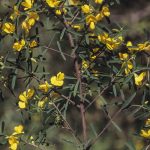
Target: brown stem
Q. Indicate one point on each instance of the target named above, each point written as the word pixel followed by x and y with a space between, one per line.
pixel 78 74
pixel 82 110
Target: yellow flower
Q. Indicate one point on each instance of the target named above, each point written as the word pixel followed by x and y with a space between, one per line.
pixel 95 73
pixel 123 56
pixel 99 16
pixel 13 142
pixel 26 26
pixel 99 1
pixel 95 50
pixel 85 64
pixel 53 3
pixel 27 4
pixel 22 104
pixel 30 21
pixel 92 57
pixel 44 87
pixel 77 27
pixel 145 133
pixel 147 122
pixel 32 44
pixel 24 97
pixel 139 47
pixel 58 80
pixel 105 11
pixel 139 78
pixel 18 129
pixel 8 27
pixel 143 46
pixel 15 14
pixel 13 146
pixel 86 9
pixel 91 21
pixel 59 11
pixel 128 67
pixel 33 15
pixel 111 43
pixel 129 43
pixel 103 37
pixel 12 139
pixel 130 46
pixel 19 45
pixel 73 2
pixel 42 103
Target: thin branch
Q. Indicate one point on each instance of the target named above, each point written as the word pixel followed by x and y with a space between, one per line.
pixel 104 129
pixel 55 50
pixel 78 74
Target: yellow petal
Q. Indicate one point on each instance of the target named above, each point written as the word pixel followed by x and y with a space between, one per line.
pixel 60 76
pixel 56 82
pixel 129 43
pixel 22 105
pixel 22 98
pixel 92 26
pixel 18 129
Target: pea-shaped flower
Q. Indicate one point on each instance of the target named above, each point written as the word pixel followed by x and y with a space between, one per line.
pixel 8 28
pixel 24 97
pixel 139 78
pixel 27 4
pixel 58 80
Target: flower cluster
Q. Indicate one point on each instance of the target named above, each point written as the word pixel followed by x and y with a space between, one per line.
pixel 91 19
pixel 25 97
pixel 13 139
pixel 110 42
pixel 57 81
pixel 140 47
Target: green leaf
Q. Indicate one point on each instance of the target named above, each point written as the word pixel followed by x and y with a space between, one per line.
pixel 76 88
pixel 65 109
pixel 114 90
pixel 130 145
pixel 93 129
pixel 13 83
pixel 128 79
pixel 2 126
pixel 59 47
pixel 87 39
pixel 129 100
pixel 62 34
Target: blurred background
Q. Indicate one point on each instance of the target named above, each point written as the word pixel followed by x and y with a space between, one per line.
pixel 134 17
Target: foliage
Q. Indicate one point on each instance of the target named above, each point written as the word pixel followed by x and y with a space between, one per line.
pixel 102 61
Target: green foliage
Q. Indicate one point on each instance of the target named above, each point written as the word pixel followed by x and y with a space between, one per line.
pixel 106 73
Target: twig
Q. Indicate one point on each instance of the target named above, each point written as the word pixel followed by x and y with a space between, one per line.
pixel 147 147
pixel 104 129
pixel 67 124
pixel 55 50
pixel 78 74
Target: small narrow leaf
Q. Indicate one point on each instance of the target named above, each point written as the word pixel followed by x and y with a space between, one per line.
pixel 76 88
pixel 62 34
pixel 114 90
pixel 13 83
pixel 59 47
pixel 2 126
pixel 128 101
